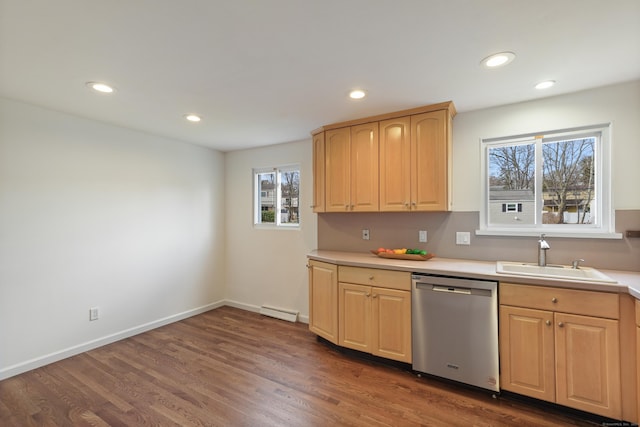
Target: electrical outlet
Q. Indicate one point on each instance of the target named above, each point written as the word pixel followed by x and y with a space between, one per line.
pixel 365 234
pixel 422 236
pixel 463 238
pixel 94 313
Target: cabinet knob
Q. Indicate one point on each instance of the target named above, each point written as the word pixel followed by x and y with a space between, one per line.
pixel 370 277
pixel 548 322
pixel 375 295
pixel 308 266
pixel 560 324
pixel 367 295
pixel 554 300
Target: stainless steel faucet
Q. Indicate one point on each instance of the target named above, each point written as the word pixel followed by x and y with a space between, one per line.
pixel 543 247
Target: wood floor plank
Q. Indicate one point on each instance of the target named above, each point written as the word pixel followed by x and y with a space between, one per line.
pixel 230 367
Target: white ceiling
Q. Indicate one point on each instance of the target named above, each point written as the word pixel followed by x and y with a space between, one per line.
pixel 263 72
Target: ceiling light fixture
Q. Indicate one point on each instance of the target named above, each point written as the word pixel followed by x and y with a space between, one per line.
pixel 192 118
pixel 100 87
pixel 498 59
pixel 357 94
pixel 545 84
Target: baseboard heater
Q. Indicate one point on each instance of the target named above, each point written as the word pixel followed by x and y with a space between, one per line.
pixel 279 313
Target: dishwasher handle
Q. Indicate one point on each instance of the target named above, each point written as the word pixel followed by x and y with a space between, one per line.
pixel 451 289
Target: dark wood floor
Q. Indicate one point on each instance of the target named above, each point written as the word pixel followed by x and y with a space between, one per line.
pixel 230 367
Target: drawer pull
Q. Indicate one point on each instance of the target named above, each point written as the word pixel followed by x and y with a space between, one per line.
pixel 554 300
pixel 370 277
pixel 375 295
pixel 561 325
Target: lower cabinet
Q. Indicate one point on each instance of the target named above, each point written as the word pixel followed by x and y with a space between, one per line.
pixel 323 300
pixel 373 318
pixel 637 303
pixel 561 346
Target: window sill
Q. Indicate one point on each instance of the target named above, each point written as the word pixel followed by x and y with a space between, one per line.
pixel 550 233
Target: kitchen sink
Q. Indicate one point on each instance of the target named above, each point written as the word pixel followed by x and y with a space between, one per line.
pixel 552 271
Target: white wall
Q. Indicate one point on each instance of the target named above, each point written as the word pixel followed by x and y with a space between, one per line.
pixel 618 104
pixel 267 266
pixel 95 215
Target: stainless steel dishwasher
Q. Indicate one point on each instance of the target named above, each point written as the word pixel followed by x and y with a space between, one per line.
pixel 455 329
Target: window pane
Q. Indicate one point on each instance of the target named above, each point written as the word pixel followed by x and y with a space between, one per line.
pixel 267 199
pixel 568 181
pixel 512 184
pixel 289 190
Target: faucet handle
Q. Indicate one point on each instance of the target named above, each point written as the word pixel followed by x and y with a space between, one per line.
pixel 575 264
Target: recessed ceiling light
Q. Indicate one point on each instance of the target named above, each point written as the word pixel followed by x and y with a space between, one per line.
pixel 100 87
pixel 357 94
pixel 545 84
pixel 192 118
pixel 498 59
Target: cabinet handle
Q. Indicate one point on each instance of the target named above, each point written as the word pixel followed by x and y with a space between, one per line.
pixel 375 295
pixel 370 277
pixel 548 322
pixel 560 324
pixel 554 300
pixel 367 295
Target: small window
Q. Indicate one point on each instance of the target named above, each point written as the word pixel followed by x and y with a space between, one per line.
pixel 547 182
pixel 277 192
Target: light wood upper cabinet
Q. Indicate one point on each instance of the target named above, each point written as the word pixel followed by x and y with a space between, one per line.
pixel 323 300
pixel 555 346
pixel 352 169
pixel 431 161
pixel 395 165
pixel 338 170
pixel 364 168
pixel 415 162
pixel 406 167
pixel 318 172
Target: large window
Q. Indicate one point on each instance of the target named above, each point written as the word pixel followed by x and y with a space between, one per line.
pixel 276 196
pixel 552 182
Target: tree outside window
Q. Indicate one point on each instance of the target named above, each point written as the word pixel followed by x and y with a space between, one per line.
pixel 547 181
pixel 277 193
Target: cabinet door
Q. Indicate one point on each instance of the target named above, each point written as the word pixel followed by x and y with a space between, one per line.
pixel 318 172
pixel 395 165
pixel 364 168
pixel 588 364
pixel 338 170
pixel 430 153
pixel 355 316
pixel 391 335
pixel 323 300
pixel 527 352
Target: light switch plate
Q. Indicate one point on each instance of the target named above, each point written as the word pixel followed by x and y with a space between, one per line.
pixel 463 238
pixel 422 236
pixel 365 234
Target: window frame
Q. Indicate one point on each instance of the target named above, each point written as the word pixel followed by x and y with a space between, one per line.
pixel 257 195
pixel 605 226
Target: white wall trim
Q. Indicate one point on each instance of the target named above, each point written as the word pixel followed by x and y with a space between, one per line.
pixel 38 362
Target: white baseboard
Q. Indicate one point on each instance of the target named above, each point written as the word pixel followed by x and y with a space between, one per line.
pixel 38 362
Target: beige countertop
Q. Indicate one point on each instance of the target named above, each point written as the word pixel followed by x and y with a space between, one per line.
pixel 628 281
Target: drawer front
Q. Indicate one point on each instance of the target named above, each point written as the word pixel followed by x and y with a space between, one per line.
pixel 375 277
pixel 589 303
